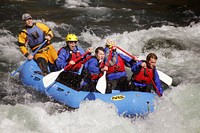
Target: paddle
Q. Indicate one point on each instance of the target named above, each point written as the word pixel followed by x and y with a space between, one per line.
pixel 163 77
pixel 101 83
pixel 19 68
pixel 50 78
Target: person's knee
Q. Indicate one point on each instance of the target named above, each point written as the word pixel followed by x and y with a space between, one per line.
pixel 42 63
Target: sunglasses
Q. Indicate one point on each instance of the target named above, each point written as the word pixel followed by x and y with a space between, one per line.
pixel 72 41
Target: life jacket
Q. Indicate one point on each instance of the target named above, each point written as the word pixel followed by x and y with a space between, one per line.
pixel 73 56
pixel 35 36
pixel 144 76
pixel 116 64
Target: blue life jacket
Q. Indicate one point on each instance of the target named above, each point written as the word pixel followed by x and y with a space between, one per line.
pixel 35 36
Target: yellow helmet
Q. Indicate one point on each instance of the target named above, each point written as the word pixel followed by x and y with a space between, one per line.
pixel 110 43
pixel 71 37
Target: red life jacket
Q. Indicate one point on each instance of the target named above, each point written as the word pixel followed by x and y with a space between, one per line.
pixel 78 65
pixel 118 66
pixel 73 56
pixel 143 76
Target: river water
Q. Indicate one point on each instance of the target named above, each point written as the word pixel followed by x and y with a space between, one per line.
pixel 168 28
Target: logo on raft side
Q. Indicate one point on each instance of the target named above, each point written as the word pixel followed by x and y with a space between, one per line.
pixel 117 97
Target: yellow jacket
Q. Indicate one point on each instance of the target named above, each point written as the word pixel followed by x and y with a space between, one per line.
pixel 23 39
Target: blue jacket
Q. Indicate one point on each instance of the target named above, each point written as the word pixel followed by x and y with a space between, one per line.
pixel 64 56
pixel 92 66
pixel 136 68
pixel 126 60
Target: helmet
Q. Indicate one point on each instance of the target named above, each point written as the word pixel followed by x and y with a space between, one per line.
pixel 26 16
pixel 110 43
pixel 71 37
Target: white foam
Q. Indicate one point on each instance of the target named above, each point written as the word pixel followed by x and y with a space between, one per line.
pixel 91 117
pixel 76 3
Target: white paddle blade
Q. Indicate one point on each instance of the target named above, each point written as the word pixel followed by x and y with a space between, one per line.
pixel 51 78
pixel 165 78
pixel 101 84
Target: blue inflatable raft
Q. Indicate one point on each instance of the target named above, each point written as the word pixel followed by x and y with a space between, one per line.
pixel 128 103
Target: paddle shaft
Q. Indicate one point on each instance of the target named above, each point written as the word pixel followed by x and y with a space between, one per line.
pixel 76 60
pixel 126 52
pixel 19 68
pixel 155 87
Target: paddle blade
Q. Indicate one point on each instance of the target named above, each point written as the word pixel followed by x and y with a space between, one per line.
pixel 165 78
pixel 101 84
pixel 51 78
